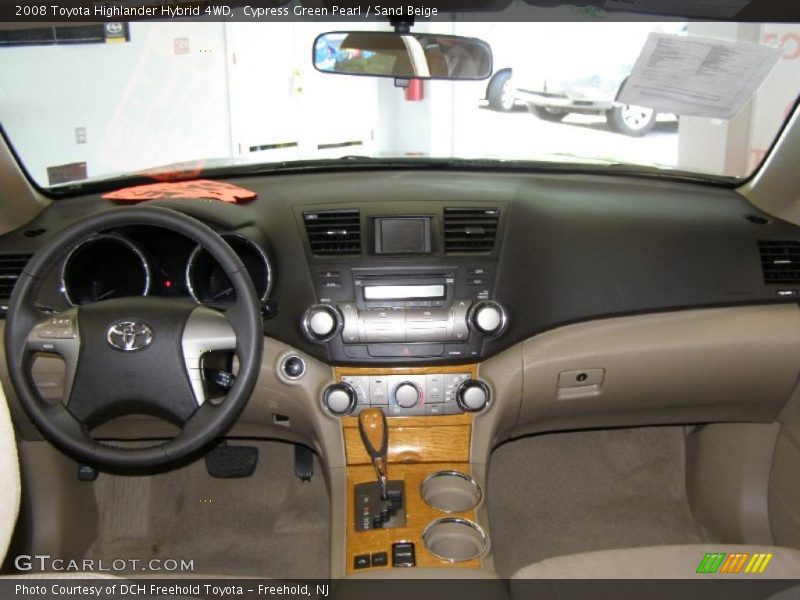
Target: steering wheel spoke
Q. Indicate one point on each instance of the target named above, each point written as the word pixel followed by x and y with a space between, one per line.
pixel 58 334
pixel 206 330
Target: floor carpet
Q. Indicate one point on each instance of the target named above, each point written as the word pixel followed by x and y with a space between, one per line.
pixel 268 525
pixel 563 493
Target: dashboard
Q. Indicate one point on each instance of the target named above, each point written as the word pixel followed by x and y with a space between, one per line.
pixel 469 307
pixel 433 268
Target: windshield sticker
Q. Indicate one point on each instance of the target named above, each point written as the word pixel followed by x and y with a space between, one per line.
pixel 199 188
pixel 708 9
pixel 59 174
pixel 696 76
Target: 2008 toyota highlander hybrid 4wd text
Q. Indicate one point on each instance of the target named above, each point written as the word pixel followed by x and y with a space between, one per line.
pixel 295 299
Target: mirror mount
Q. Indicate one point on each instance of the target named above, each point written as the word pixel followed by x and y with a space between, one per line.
pixel 402 24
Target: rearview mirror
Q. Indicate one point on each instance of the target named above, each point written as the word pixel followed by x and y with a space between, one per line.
pixel 402 55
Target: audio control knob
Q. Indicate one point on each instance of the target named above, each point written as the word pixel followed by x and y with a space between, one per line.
pixel 340 399
pixel 407 394
pixel 321 322
pixel 488 318
pixel 472 395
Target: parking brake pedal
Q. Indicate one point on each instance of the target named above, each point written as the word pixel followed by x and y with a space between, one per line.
pixel 230 462
pixel 303 462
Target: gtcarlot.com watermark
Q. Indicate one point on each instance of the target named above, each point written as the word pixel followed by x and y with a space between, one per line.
pixel 46 563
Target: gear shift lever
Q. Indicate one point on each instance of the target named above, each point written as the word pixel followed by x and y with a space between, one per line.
pixel 375 435
pixel 380 504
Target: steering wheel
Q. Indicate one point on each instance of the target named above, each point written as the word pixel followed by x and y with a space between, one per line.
pixel 137 355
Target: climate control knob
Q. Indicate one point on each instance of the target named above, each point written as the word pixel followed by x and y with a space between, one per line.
pixel 488 318
pixel 340 398
pixel 472 395
pixel 407 394
pixel 321 322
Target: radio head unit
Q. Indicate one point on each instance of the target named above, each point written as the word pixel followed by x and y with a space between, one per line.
pixel 399 290
pixel 400 311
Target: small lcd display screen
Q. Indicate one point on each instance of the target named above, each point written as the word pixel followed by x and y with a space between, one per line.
pixel 403 292
pixel 402 235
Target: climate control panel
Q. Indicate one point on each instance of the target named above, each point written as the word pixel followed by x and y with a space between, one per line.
pixel 407 395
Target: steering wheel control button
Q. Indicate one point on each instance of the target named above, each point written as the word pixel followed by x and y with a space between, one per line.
pixel 321 322
pixel 340 399
pixel 581 378
pixel 488 318
pixel 293 367
pixel 472 395
pixel 403 554
pixel 57 328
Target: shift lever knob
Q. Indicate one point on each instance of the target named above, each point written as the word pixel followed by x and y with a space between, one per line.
pixel 375 435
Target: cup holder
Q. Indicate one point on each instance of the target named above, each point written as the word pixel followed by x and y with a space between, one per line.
pixel 451 491
pixel 455 540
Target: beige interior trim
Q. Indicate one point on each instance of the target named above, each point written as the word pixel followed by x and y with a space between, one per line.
pixel 775 188
pixel 52 490
pixel 19 202
pixel 696 366
pixel 9 477
pixel 727 479
pixel 658 562
pixel 736 364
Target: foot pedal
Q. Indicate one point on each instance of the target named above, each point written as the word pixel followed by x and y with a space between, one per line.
pixel 231 462
pixel 303 462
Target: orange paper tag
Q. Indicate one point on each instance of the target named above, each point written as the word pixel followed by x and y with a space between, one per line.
pixel 198 188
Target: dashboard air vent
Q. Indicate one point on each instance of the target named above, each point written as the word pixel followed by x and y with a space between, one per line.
pixel 470 229
pixel 334 232
pixel 11 266
pixel 780 261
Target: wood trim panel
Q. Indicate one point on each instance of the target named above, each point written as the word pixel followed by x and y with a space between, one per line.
pixel 472 369
pixel 419 515
pixel 428 443
pixel 437 421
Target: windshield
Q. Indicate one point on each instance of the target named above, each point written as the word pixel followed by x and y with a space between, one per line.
pixel 233 93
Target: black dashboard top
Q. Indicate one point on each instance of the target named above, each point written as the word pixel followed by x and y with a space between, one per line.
pixel 550 249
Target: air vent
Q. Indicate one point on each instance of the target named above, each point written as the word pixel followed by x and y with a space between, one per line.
pixel 11 266
pixel 334 232
pixel 780 261
pixel 470 229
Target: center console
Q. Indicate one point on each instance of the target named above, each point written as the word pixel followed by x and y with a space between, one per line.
pixel 424 514
pixel 404 304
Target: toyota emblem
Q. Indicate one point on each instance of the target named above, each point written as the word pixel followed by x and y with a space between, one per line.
pixel 129 336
